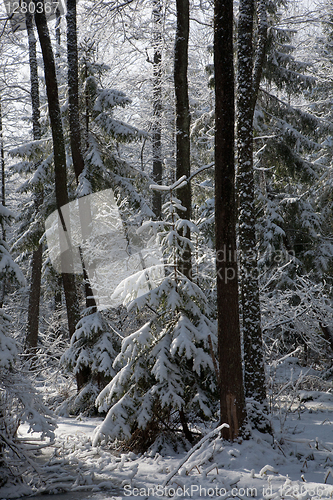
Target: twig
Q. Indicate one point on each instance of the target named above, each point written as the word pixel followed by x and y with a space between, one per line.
pixel 192 450
pixel 20 453
pixel 280 448
pixel 328 473
pixel 201 169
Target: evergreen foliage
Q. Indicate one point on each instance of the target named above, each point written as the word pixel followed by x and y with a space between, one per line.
pixel 166 366
pixel 155 374
pixel 104 132
pixel 91 347
pixel 19 400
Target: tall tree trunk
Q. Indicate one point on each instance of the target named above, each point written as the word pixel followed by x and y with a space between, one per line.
pixel 3 180
pixel 157 105
pixel 183 166
pixel 3 202
pixel 68 279
pixel 75 135
pixel 73 89
pixel 84 375
pixel 31 340
pixel 261 48
pixel 58 33
pixel 229 343
pixel 254 377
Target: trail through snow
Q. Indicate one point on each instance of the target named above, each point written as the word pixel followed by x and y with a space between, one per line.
pixel 298 466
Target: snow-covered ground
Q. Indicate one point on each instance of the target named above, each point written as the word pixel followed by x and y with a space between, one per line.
pixel 297 464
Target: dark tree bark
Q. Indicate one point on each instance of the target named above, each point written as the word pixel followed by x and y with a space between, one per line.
pixel 87 106
pixel 75 133
pixel 187 433
pixel 157 105
pixel 183 166
pixel 3 202
pixel 31 340
pixel 34 86
pixel 261 47
pixel 229 342
pixel 58 32
pixel 57 294
pixel 248 84
pixel 73 89
pixel 328 333
pixel 3 181
pixel 84 375
pixel 68 279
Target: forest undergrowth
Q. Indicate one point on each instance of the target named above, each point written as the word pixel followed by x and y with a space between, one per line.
pixel 297 457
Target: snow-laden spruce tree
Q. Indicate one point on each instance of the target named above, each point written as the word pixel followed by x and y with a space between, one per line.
pixel 8 270
pixel 106 134
pixel 93 348
pixel 19 401
pixel 103 168
pixel 166 368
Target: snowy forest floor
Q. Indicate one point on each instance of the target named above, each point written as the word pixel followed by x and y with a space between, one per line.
pixel 297 463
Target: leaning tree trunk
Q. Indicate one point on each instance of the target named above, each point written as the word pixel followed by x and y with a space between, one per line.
pixel 36 261
pixel 60 173
pixel 157 106
pixel 183 166
pixel 248 85
pixel 229 343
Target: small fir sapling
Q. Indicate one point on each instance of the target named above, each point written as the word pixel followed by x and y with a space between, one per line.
pixel 93 347
pixel 103 168
pixel 7 265
pixel 166 371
